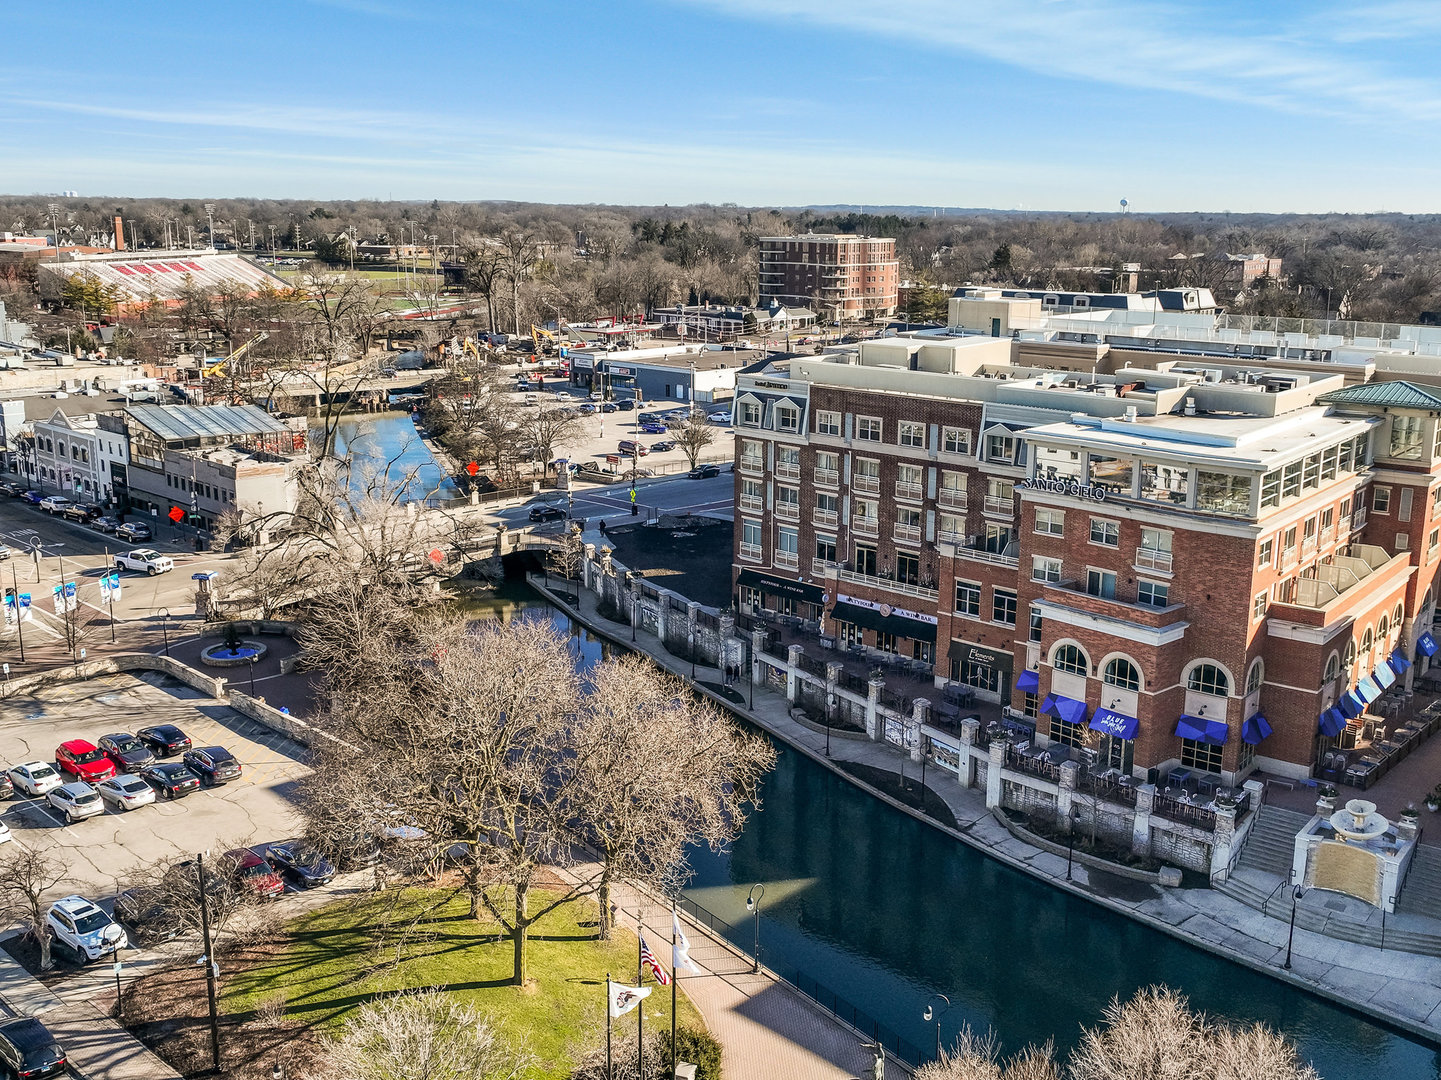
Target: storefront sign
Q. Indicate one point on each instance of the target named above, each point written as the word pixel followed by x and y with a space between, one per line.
pixel 1065 487
pixel 978 654
pixel 771 385
pixel 614 370
pixel 887 610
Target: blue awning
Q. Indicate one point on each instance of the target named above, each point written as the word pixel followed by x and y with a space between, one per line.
pixel 1255 729
pixel 1068 709
pixel 1114 723
pixel 1028 682
pixel 1348 704
pixel 1332 722
pixel 1427 644
pixel 1399 664
pixel 1199 729
pixel 1383 676
pixel 1367 689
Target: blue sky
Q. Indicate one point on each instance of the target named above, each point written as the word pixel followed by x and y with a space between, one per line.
pixel 1044 104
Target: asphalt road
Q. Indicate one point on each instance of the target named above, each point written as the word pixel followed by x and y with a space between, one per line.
pixel 668 495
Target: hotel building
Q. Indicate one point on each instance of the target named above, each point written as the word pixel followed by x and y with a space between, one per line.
pixel 837 276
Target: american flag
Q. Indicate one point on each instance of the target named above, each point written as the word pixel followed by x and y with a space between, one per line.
pixel 649 960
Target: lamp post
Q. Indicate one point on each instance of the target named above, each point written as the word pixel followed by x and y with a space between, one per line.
pixel 690 646
pixel 1297 891
pixel 1071 821
pixel 753 905
pixel 252 676
pixel 932 1014
pixel 19 615
pixel 164 614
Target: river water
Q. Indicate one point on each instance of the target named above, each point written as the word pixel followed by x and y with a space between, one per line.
pixel 388 442
pixel 887 911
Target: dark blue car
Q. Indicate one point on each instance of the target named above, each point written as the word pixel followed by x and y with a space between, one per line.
pixel 653 428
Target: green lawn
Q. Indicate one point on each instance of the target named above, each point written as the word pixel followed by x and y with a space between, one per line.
pixel 333 965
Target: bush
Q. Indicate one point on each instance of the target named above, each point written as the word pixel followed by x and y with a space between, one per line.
pixel 696 1046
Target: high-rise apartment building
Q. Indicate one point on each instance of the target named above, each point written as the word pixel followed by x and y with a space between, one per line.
pixel 837 276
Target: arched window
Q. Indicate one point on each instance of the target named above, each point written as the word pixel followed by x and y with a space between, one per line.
pixel 1383 628
pixel 1209 679
pixel 1121 672
pixel 1333 667
pixel 1367 640
pixel 1425 599
pixel 1071 659
pixel 1350 658
pixel 1398 616
pixel 1255 677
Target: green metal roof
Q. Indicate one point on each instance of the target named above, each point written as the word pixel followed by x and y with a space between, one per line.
pixel 1394 395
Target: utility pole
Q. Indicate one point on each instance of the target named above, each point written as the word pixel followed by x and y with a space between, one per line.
pixel 210 217
pixel 209 960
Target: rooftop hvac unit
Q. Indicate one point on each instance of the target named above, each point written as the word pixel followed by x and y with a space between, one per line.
pixel 1190 408
pixel 1130 414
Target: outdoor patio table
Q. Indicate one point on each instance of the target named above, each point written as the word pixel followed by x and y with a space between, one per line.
pixel 1178 776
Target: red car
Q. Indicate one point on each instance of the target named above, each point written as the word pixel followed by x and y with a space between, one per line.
pixel 250 871
pixel 84 761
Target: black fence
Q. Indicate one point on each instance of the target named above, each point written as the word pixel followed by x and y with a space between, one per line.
pixel 743 938
pixel 813 666
pixel 706 619
pixel 856 684
pixel 1185 813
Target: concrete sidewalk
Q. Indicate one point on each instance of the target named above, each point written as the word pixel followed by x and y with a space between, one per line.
pixel 1400 989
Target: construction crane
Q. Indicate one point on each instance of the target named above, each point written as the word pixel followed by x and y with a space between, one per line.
pixel 219 365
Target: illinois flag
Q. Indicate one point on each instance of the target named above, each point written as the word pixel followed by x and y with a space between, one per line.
pixel 680 952
pixel 625 998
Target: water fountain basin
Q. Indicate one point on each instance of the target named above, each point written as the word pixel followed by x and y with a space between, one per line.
pixel 1358 821
pixel 242 654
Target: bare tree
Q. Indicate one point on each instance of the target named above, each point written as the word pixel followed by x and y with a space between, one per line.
pixel 519 252
pixel 548 430
pixel 27 876
pixel 484 268
pixel 566 555
pixel 693 436
pixel 423 1035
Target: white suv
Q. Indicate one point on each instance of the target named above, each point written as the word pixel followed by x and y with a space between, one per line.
pixel 55 503
pixel 146 559
pixel 84 928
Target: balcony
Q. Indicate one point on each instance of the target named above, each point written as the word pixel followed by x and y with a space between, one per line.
pixel 1151 559
pixel 826 477
pixel 826 517
pixel 823 567
pixel 788 470
pixel 866 526
pixel 751 552
pixel 919 591
pixel 945 537
pixel 1000 504
pixel 952 498
pixel 751 502
pixel 1347 569
pixel 752 465
pixel 907 490
pixel 907 534
pixel 1073 596
pixel 788 511
pixel 867 485
pixel 1009 556
pixel 787 560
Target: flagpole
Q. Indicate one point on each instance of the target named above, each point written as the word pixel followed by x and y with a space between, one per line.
pixel 609 1067
pixel 640 1009
pixel 674 978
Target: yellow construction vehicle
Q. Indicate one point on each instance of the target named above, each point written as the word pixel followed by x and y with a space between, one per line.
pixel 471 348
pixel 219 365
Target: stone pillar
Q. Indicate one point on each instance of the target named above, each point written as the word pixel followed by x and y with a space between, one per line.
pixel 970 728
pixel 727 629
pixel 793 663
pixel 1066 800
pixel 993 773
pixel 833 678
pixel 500 531
pixel 1223 842
pixel 875 725
pixel 758 640
pixel 1141 823
pixel 920 714
pixel 474 497
pixel 587 567
pixel 662 609
pixel 692 630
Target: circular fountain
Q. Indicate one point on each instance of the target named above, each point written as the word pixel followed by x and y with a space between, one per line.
pixel 232 654
pixel 1358 822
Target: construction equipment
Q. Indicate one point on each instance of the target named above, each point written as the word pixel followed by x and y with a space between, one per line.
pixel 219 365
pixel 471 348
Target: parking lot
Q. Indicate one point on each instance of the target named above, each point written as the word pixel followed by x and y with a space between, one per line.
pixel 101 851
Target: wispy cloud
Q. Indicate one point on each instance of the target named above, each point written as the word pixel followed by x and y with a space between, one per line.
pixel 1191 49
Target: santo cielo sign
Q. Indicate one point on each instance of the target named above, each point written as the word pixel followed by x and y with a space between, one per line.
pixel 1058 486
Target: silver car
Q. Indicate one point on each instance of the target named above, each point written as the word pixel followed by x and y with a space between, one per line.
pixel 35 778
pixel 76 801
pixel 125 792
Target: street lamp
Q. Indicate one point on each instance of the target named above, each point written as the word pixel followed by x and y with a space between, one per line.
pixel 1073 819
pixel 252 676
pixel 932 1014
pixel 753 905
pixel 1297 891
pixel 690 645
pixel 164 614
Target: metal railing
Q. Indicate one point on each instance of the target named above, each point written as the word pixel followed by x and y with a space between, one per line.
pixel 750 551
pixel 905 489
pixel 1036 766
pixel 826 477
pixel 999 504
pixel 752 465
pixel 751 502
pixel 866 526
pixel 1185 813
pixel 786 470
pixel 869 485
pixel 907 533
pixel 826 517
pixel 952 498
pixel 887 583
pixel 1151 559
pixel 821 567
pixel 787 559
pixel 788 511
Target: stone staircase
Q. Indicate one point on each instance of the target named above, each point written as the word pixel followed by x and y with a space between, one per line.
pixel 1265 864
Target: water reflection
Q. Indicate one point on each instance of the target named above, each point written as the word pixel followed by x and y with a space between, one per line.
pixel 388 441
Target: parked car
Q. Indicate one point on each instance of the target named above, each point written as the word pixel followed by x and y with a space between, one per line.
pixel 546 513
pixel 586 409
pixel 633 448
pixel 302 860
pixel 35 778
pixel 608 406
pixel 83 927
pixel 84 761
pixel 76 800
pixel 54 503
pixel 133 531
pixel 144 912
pixel 127 752
pixel 625 405
pixel 662 446
pixel 125 792
pixel 7 786
pixel 214 765
pixel 81 512
pixel 5 834
pixel 653 427
pixel 250 871
pixel 29 1051
pixel 704 472
pixel 144 559
pixel 9 487
pixel 34 498
pixel 164 740
pixel 106 524
pixel 171 779
pixel 720 416
pixel 4 553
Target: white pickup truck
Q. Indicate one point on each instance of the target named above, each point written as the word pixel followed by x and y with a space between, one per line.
pixel 151 562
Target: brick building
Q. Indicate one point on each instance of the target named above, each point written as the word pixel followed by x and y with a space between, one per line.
pixel 1209 568
pixel 837 276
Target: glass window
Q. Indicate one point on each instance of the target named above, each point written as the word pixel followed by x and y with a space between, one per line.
pixel 1112 473
pixel 1201 756
pixel 1155 593
pixel 1045 569
pixel 1058 464
pixel 958 441
pixel 1050 522
pixel 1208 679
pixel 1105 533
pixel 1071 659
pixel 828 423
pixel 953 528
pixel 788 541
pixel 1223 492
pixel 1165 482
pixel 827 503
pixel 788 418
pixel 1258 605
pixel 750 413
pixel 751 533
pixel 1381 500
pixel 1271 489
pixel 1406 437
pixel 1003 606
pixel 1101 583
pixel 1264 556
pixel 1070 734
pixel 1036 624
pixel 968 599
pixel 1121 672
pixel 1001 449
pixel 868 429
pixel 1288 541
pixel 828 462
pixel 788 497
pixel 826 548
pixel 912 433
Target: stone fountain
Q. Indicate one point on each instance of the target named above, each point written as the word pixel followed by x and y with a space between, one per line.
pixel 1357 822
pixel 1355 851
